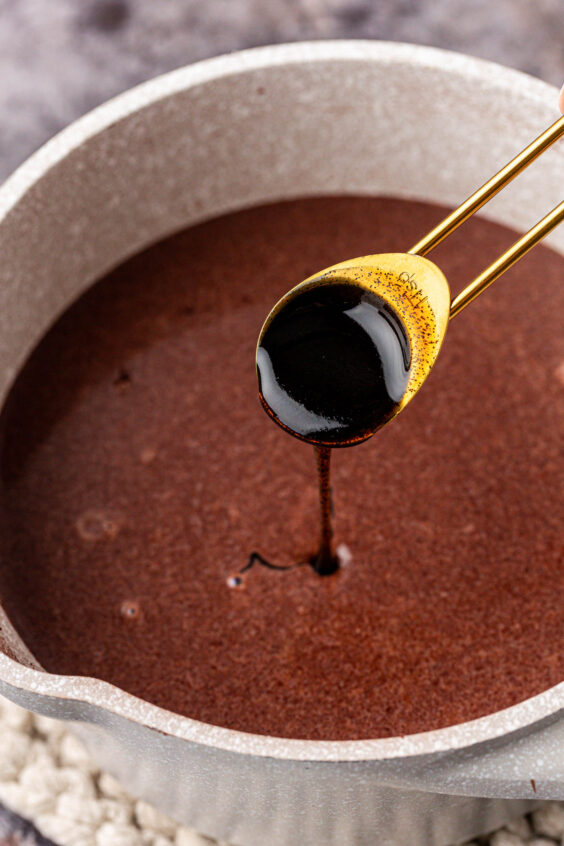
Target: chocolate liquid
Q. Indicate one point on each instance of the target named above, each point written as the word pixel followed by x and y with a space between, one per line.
pixel 139 472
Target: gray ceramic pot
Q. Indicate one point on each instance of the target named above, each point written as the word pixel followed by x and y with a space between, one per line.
pixel 224 134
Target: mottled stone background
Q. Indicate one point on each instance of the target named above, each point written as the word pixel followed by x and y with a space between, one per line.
pixel 60 58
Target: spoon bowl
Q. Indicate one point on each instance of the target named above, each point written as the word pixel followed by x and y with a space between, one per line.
pixel 326 385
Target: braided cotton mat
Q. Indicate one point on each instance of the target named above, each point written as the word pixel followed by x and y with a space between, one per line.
pixel 47 777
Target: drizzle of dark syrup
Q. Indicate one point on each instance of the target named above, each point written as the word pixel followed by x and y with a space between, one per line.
pixel 256 558
pixel 333 365
pixel 325 562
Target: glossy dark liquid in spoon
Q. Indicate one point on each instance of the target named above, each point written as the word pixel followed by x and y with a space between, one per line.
pixel 333 364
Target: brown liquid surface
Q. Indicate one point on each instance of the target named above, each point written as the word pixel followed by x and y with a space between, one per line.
pixel 139 472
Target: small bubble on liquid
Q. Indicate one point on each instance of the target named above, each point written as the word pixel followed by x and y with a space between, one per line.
pixel 130 609
pixel 147 455
pixel 236 581
pixel 344 555
pixel 123 379
pixel 95 524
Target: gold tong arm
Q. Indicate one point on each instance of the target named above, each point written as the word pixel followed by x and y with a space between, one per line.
pixel 489 189
pixel 478 199
pixel 509 257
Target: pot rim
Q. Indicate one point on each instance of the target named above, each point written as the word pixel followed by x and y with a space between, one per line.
pixel 105 696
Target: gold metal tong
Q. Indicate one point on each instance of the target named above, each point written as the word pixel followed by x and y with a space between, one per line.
pixel 480 198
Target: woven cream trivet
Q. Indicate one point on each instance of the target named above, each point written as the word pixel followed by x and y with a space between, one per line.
pixel 47 777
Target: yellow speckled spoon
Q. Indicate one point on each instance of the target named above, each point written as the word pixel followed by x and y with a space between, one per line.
pixel 374 292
